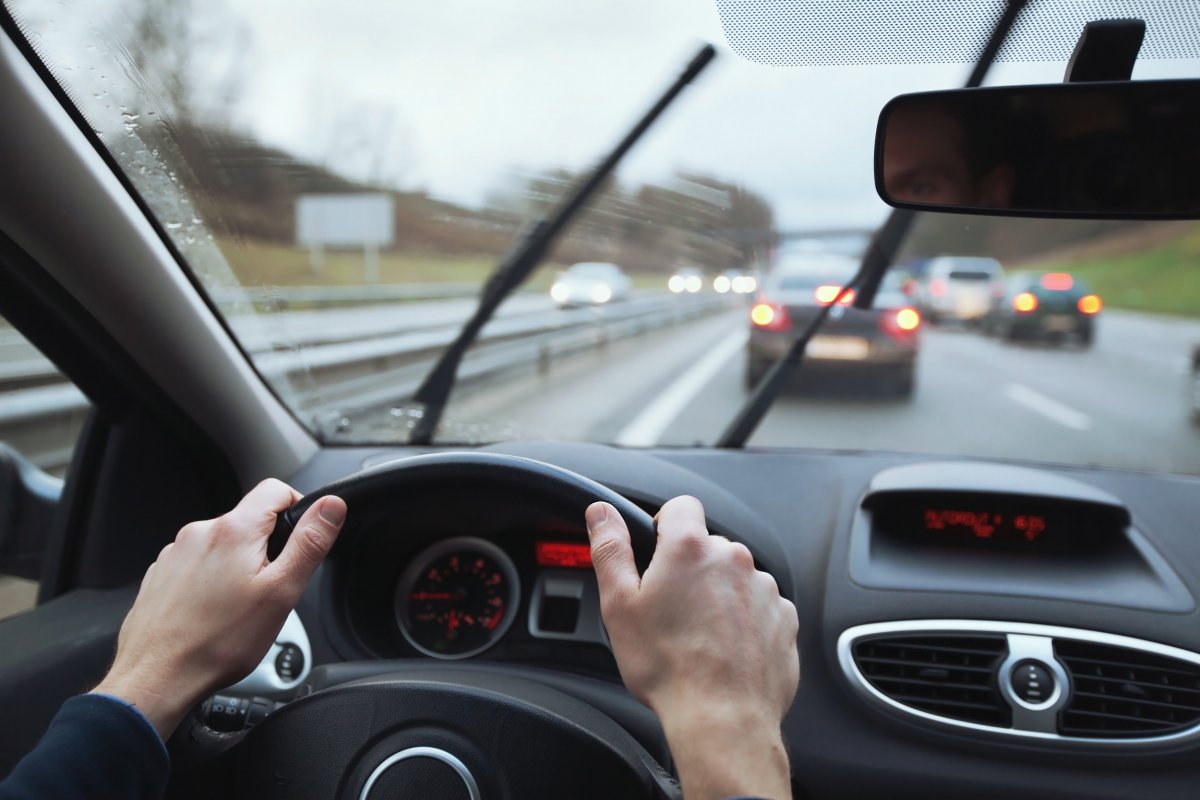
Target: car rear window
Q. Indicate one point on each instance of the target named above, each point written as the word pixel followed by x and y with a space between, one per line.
pixel 969 275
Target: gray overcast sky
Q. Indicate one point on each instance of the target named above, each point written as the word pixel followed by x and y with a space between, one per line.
pixel 475 92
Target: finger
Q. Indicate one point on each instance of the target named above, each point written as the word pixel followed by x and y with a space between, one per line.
pixel 258 509
pixel 612 553
pixel 681 521
pixel 310 542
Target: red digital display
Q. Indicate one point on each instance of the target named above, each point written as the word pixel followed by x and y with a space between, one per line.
pixel 985 524
pixel 564 554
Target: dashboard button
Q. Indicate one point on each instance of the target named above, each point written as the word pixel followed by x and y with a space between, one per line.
pixel 1032 681
pixel 289 664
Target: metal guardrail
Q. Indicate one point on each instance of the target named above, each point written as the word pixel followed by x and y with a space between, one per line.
pixel 328 296
pixel 333 382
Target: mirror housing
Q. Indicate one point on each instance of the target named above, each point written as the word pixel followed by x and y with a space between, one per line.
pixel 1107 150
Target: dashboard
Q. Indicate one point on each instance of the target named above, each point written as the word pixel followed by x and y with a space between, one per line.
pixel 978 629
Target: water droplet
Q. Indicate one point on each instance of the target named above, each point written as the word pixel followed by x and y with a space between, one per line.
pixel 190 239
pixel 173 226
pixel 196 220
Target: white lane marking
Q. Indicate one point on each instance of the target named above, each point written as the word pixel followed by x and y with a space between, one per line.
pixel 1048 407
pixel 648 426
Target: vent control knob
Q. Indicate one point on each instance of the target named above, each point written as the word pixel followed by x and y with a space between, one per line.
pixel 1032 681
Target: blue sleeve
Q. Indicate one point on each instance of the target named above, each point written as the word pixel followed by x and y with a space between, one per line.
pixel 96 746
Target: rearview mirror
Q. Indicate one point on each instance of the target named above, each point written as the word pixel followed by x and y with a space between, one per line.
pixel 1126 150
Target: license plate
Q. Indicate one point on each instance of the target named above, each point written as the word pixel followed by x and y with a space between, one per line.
pixel 1059 323
pixel 843 348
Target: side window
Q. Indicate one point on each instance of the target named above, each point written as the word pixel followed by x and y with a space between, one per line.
pixel 41 415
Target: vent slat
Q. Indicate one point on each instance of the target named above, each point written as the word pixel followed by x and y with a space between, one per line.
pixel 900 662
pixel 1138 701
pixel 1121 692
pixel 966 687
pixel 947 675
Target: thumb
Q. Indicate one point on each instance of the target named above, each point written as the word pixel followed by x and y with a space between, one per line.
pixel 612 554
pixel 310 542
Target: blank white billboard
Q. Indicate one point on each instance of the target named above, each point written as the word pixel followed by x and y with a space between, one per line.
pixel 344 220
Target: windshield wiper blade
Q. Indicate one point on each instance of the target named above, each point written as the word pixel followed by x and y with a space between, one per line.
pixel 878 257
pixel 527 253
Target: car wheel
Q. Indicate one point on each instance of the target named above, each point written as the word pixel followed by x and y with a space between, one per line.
pixel 1194 391
pixel 1086 336
pixel 904 383
pixel 755 369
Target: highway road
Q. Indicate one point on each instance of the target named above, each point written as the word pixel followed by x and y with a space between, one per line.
pixel 1123 403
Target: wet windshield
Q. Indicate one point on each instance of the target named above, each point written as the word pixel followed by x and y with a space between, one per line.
pixel 341 179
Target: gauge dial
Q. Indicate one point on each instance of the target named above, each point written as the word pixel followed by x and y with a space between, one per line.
pixel 457 598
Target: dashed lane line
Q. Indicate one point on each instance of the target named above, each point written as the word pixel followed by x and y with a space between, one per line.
pixel 648 426
pixel 1048 407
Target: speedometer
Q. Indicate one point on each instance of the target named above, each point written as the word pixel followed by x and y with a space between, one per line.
pixel 457 598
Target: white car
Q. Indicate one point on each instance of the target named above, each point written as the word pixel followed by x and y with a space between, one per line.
pixel 960 288
pixel 686 280
pixel 591 283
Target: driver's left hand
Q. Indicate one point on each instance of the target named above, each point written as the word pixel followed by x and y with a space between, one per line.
pixel 211 605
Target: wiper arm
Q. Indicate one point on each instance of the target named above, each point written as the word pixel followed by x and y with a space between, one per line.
pixel 528 252
pixel 865 283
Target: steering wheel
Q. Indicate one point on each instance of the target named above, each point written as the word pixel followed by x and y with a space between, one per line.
pixel 466 732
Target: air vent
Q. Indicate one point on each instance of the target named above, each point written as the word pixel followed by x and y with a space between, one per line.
pixel 1124 693
pixel 952 676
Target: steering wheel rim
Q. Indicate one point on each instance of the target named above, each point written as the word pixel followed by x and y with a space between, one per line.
pixel 524 476
pixel 523 479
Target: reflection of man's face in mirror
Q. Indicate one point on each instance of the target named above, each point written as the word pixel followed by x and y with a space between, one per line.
pixel 926 160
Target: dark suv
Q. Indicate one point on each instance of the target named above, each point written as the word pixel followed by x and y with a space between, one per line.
pixel 1050 306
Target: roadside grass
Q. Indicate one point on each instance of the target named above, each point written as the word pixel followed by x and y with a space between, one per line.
pixel 1163 279
pixel 271 264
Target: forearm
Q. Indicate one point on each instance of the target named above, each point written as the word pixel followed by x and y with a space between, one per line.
pixel 720 755
pixel 95 747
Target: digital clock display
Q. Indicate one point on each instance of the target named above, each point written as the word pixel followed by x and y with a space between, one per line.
pixel 996 523
pixel 985 524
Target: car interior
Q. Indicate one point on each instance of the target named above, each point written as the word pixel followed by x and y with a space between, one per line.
pixel 970 626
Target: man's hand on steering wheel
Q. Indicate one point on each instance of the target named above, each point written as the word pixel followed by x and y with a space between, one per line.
pixel 705 640
pixel 211 605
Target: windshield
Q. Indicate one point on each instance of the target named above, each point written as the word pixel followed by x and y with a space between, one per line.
pixel 341 180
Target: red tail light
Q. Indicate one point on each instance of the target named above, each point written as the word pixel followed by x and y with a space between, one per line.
pixel 1057 281
pixel 909 287
pixel 1090 304
pixel 1025 302
pixel 937 287
pixel 826 294
pixel 900 322
pixel 770 316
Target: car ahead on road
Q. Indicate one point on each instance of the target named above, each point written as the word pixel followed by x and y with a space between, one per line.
pixel 590 283
pixel 959 288
pixel 880 344
pixel 735 281
pixel 686 280
pixel 1049 306
pixel 997 588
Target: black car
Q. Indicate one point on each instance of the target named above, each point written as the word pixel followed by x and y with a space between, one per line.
pixel 883 340
pixel 1053 306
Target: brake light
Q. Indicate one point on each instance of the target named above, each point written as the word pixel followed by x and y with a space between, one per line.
pixel 826 294
pixel 1056 281
pixel 909 287
pixel 937 287
pixel 1090 304
pixel 770 316
pixel 900 323
pixel 907 319
pixel 1025 302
